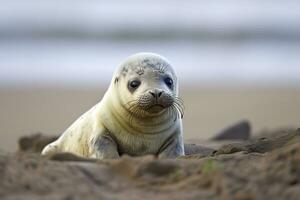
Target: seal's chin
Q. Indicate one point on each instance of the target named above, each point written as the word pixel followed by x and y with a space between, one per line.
pixel 156 109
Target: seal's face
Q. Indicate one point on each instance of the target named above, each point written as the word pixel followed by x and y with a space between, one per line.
pixel 153 91
pixel 148 85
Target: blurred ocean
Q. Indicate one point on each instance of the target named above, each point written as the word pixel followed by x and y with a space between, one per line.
pixel 209 42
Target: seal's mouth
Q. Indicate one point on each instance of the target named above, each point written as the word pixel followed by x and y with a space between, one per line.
pixel 146 106
pixel 156 108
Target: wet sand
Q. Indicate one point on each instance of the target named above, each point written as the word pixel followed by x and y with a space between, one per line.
pixel 208 110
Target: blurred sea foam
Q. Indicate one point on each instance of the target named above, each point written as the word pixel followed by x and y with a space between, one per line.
pixel 79 43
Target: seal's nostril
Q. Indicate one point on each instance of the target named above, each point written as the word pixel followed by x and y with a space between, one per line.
pixel 156 94
pixel 153 94
pixel 160 93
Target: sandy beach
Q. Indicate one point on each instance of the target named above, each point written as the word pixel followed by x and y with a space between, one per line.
pixel 208 110
pixel 263 167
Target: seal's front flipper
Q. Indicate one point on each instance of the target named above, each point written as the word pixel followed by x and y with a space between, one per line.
pixel 51 148
pixel 173 148
pixel 104 147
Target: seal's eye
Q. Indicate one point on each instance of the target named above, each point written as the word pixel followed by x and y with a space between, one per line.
pixel 169 82
pixel 134 84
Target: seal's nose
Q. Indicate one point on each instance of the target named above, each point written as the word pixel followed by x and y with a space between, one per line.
pixel 156 93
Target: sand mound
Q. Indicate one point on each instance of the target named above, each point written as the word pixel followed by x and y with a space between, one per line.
pixel 266 167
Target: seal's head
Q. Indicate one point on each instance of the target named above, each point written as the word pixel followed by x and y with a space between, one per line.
pixel 147 85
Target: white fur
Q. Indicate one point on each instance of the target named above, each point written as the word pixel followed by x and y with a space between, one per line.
pixel 109 116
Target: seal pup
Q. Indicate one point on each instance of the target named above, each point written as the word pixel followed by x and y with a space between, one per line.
pixel 140 114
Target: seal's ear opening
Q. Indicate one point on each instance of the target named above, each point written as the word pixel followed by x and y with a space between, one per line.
pixel 116 80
